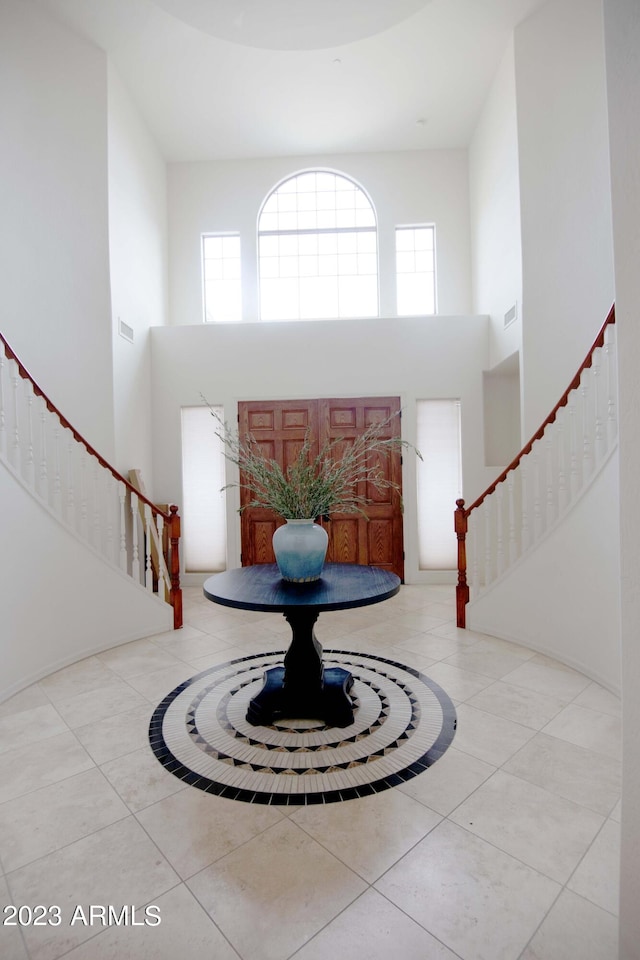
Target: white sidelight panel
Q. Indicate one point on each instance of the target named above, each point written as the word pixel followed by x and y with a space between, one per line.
pixel 203 476
pixel 439 481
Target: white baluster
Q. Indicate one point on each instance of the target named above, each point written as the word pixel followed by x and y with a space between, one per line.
pixel 30 467
pixel 587 446
pixel 44 467
pixel 122 493
pixel 148 570
pixel 609 350
pixel 499 495
pixel 84 518
pixel 600 442
pixel 488 574
pixel 57 478
pixel 524 492
pixel 71 486
pixel 562 477
pixel 574 479
pixel 550 498
pixel 15 379
pixel 537 508
pixel 511 509
pixel 97 505
pixel 110 495
pixel 161 580
pixel 474 528
pixel 135 558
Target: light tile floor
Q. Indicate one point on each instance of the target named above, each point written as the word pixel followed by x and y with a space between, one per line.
pixel 506 849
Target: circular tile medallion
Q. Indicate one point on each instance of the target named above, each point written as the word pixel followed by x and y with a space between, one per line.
pixel 403 723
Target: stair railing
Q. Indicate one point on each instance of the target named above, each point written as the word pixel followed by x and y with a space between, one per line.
pixel 85 493
pixel 548 474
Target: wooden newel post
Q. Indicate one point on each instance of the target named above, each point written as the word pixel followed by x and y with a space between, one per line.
pixel 175 594
pixel 462 588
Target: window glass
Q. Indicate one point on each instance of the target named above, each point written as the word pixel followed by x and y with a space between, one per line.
pixel 222 280
pixel 204 543
pixel 439 482
pixel 318 253
pixel 415 271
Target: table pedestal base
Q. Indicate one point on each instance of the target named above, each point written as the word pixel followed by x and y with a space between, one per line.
pixel 302 689
pixel 329 702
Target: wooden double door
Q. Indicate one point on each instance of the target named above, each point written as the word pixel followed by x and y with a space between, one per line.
pixel 280 427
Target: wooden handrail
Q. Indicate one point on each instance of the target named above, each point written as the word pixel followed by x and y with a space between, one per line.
pixel 562 402
pixel 175 593
pixel 171 518
pixel 462 587
pixel 461 515
pixel 24 373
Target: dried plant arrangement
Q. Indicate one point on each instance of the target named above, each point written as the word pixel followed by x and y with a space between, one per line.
pixel 313 485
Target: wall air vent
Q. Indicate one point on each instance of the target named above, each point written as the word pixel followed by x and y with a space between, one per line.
pixel 125 330
pixel 510 315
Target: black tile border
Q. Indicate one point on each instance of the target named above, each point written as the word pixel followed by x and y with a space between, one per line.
pixel 173 765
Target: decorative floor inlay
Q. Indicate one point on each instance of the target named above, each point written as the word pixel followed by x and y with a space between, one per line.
pixel 403 723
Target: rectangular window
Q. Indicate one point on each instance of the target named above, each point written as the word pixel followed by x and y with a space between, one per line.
pixel 221 277
pixel 311 276
pixel 439 482
pixel 204 521
pixel 415 271
pixel 317 247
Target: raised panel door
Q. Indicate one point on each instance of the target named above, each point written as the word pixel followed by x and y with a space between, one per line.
pixel 375 539
pixel 280 427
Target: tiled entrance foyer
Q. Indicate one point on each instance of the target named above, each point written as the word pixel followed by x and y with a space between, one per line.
pixel 505 849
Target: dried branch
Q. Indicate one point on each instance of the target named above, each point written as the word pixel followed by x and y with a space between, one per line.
pixel 313 486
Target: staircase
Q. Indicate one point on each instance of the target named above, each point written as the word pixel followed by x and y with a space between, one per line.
pixel 538 488
pixel 50 459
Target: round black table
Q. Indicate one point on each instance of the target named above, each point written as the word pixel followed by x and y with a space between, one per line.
pixel 303 688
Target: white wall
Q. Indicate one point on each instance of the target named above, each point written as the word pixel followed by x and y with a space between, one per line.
pixel 54 252
pixel 494 191
pixel 418 358
pixel 138 259
pixel 60 601
pixel 567 253
pixel 502 433
pixel 622 31
pixel 563 597
pixel 406 188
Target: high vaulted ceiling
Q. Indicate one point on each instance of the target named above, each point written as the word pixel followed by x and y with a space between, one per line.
pixel 259 78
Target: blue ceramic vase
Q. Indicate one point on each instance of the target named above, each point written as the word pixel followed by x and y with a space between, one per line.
pixel 300 547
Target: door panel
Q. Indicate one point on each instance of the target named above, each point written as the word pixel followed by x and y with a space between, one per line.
pixel 377 538
pixel 380 547
pixel 280 428
pixel 343 540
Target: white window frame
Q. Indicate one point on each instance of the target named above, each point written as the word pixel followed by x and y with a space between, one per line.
pixel 439 481
pixel 204 509
pixel 213 311
pixel 310 268
pixel 416 274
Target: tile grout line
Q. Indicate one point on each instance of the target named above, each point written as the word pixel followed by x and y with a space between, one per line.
pixel 288 812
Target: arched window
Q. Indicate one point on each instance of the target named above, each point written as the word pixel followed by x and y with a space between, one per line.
pixel 317 249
